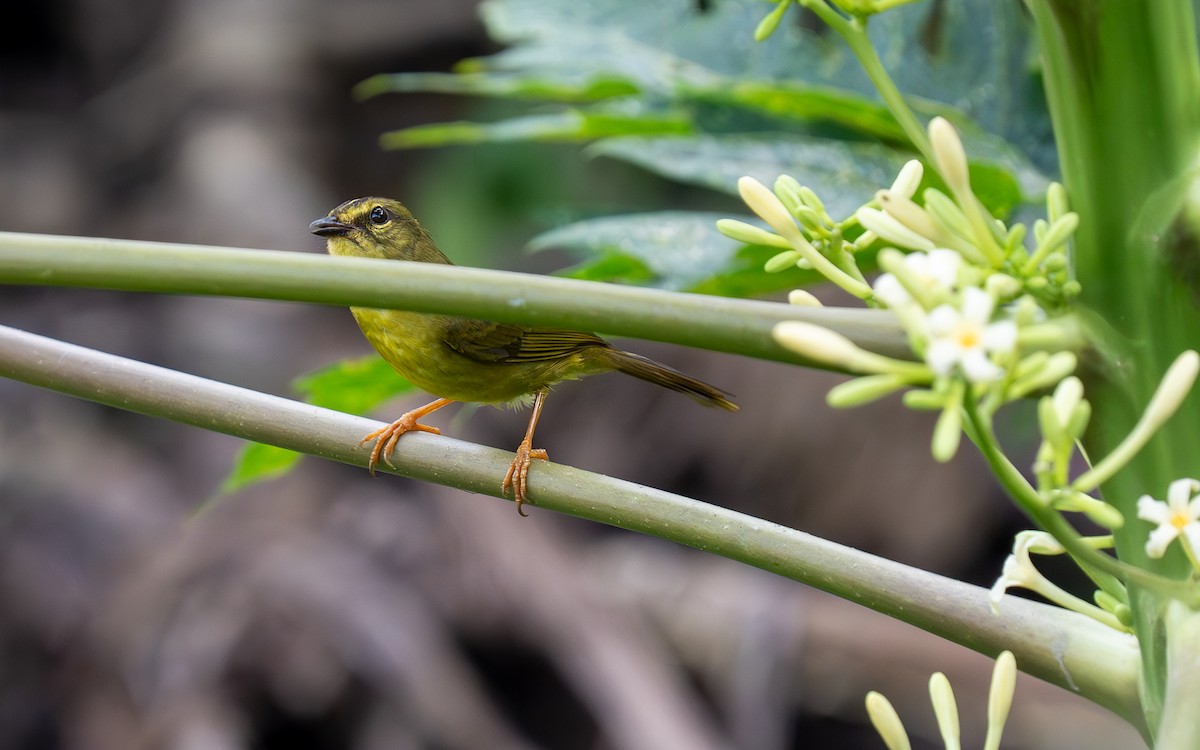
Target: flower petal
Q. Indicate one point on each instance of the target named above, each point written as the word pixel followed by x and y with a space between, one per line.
pixel 1154 511
pixel 889 289
pixel 943 267
pixel 978 368
pixel 1191 535
pixel 943 320
pixel 1001 585
pixel 941 356
pixel 1180 493
pixel 1160 538
pixel 1000 337
pixel 977 305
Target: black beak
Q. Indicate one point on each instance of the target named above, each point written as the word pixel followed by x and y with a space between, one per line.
pixel 327 226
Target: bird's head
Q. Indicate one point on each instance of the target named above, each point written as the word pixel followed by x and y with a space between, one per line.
pixel 376 228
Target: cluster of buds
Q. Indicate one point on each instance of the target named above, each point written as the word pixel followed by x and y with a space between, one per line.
pixel 945 708
pixel 983 315
pixel 966 290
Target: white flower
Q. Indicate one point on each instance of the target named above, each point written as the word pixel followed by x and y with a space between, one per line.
pixel 935 272
pixel 965 338
pixel 1019 571
pixel 1180 515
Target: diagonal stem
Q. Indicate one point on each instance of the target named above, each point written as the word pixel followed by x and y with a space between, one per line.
pixel 1061 647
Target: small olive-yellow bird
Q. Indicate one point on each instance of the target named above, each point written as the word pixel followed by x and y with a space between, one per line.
pixel 463 359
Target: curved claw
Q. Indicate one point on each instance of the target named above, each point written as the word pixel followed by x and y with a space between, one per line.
pixel 517 478
pixel 386 438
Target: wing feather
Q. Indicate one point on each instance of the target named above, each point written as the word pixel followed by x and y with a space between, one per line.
pixel 486 341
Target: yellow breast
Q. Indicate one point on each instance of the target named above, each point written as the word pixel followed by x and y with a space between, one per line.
pixel 411 343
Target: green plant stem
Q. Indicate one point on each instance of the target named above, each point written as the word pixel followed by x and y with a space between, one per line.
pixel 1122 79
pixel 1060 647
pixel 854 32
pixel 1052 521
pixel 1179 727
pixel 722 324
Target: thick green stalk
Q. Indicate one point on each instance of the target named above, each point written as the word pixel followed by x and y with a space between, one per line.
pixel 1179 726
pixel 1123 84
pixel 729 325
pixel 1061 647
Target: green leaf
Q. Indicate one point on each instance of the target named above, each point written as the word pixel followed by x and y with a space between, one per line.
pixel 794 102
pixel 258 462
pixel 845 174
pixel 670 68
pixel 992 156
pixel 613 266
pixel 996 188
pixel 678 249
pixel 585 88
pixel 971 55
pixel 355 386
pixel 569 125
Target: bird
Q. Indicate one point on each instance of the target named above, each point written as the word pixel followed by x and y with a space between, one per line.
pixel 460 359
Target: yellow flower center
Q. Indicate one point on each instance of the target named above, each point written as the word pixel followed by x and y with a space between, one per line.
pixel 1179 520
pixel 968 337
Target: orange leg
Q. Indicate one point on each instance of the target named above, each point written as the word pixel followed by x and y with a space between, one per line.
pixel 386 437
pixel 517 477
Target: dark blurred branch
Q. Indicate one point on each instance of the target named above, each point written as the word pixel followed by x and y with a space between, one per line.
pixel 718 323
pixel 1061 647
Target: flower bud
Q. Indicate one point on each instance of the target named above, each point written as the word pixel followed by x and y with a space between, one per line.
pixel 1056 201
pixel 908 213
pixel 750 234
pixel 945 709
pixel 770 22
pixel 886 722
pixel 1175 386
pixel 768 206
pixel 1000 697
pixel 864 390
pixel 802 298
pixel 892 230
pixel 1002 286
pixel 781 262
pixel 950 156
pixel 909 179
pixel 817 343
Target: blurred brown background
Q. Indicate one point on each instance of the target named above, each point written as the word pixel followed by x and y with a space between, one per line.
pixel 327 610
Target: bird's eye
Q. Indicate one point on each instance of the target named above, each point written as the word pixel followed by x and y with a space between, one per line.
pixel 378 215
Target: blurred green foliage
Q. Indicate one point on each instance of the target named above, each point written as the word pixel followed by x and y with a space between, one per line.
pixel 681 90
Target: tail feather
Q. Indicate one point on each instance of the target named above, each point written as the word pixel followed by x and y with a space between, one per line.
pixel 653 372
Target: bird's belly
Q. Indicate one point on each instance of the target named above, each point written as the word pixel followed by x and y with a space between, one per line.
pixel 423 359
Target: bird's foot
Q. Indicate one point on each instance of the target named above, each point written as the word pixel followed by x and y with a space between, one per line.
pixel 386 437
pixel 517 478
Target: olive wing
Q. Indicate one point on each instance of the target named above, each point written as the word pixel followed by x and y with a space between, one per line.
pixel 486 341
